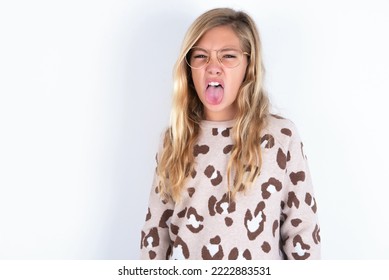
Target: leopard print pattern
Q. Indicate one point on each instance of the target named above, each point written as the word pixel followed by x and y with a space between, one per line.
pixel 276 218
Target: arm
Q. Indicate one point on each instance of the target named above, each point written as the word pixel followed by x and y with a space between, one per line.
pixel 300 231
pixel 155 239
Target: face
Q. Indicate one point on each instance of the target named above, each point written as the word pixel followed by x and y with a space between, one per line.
pixel 216 85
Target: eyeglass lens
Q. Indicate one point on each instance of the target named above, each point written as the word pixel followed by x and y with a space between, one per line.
pixel 227 57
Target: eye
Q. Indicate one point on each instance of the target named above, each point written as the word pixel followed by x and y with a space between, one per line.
pixel 229 54
pixel 199 54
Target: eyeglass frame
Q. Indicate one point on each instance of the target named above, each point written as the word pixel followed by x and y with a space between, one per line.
pixel 217 57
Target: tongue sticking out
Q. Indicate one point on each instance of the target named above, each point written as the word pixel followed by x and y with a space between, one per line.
pixel 214 95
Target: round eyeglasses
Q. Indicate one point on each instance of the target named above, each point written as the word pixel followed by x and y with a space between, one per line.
pixel 197 57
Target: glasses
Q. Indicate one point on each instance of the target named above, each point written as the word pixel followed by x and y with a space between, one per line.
pixel 197 57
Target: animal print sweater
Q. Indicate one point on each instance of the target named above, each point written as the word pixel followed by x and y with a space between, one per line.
pixel 275 219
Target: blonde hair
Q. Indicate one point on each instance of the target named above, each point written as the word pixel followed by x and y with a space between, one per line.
pixel 176 159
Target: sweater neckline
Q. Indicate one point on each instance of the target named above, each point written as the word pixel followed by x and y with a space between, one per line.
pixel 217 124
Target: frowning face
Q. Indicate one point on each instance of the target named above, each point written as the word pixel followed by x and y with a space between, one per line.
pixel 216 84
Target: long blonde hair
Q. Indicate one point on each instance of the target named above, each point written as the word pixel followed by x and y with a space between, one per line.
pixel 177 159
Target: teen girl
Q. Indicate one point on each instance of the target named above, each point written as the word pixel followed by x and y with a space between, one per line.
pixel 232 180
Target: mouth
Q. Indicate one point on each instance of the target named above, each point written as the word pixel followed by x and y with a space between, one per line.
pixel 214 92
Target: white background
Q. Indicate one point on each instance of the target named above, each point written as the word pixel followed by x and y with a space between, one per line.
pixel 85 91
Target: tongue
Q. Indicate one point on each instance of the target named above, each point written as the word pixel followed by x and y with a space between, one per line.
pixel 214 95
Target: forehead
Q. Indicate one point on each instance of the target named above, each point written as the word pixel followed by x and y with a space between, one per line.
pixel 219 37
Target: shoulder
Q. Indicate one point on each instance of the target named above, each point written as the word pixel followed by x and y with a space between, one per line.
pixel 281 124
pixel 281 129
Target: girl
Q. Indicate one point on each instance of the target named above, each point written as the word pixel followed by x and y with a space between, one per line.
pixel 232 180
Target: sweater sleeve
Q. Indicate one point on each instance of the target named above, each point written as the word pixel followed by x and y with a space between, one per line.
pixel 155 239
pixel 300 231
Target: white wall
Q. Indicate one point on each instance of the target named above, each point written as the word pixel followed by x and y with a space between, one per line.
pixel 85 93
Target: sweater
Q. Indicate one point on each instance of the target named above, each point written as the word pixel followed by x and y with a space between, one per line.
pixel 276 218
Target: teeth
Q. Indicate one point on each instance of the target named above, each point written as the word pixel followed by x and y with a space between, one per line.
pixel 214 84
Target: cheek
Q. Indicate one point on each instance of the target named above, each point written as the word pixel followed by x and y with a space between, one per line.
pixel 237 81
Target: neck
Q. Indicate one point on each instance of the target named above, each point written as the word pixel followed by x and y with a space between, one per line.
pixel 220 116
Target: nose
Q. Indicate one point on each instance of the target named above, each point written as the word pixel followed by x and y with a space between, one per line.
pixel 214 67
